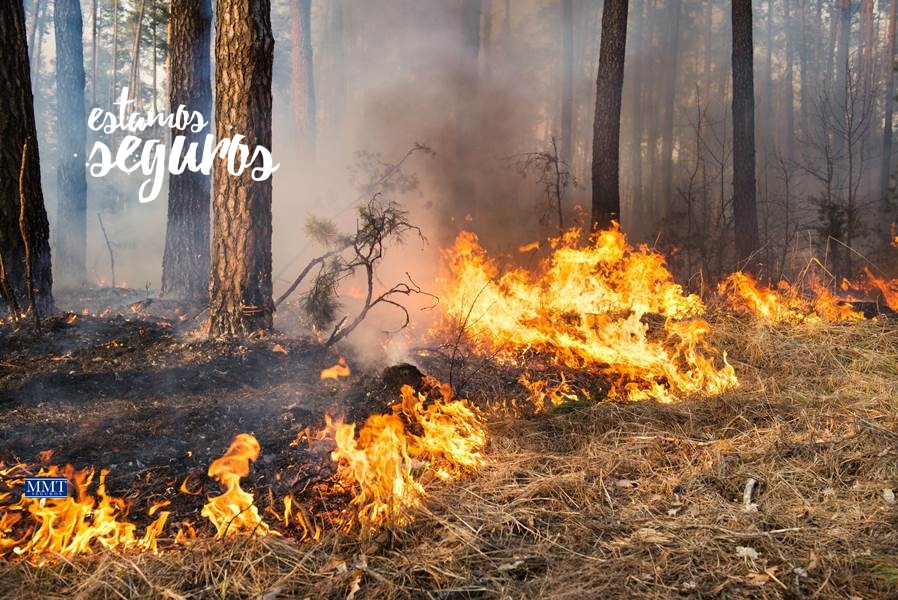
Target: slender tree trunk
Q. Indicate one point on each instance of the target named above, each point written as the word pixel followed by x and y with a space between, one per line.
pixel 93 54
pixel 789 85
pixel 35 37
pixel 840 92
pixel 303 83
pixel 886 166
pixel 745 214
pixel 567 79
pixel 804 90
pixel 185 264
pixel 21 239
pixel 71 127
pixel 134 78
pixel 867 19
pixel 241 301
pixel 113 78
pixel 670 89
pixel 606 128
pixel 338 65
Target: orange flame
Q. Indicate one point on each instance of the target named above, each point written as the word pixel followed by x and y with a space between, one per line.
pixel 69 526
pixel 341 369
pixel 784 304
pixel 444 436
pixel 585 307
pixel 233 512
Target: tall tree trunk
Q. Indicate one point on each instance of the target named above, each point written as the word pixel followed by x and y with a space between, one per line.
pixel 93 55
pixel 804 90
pixel 567 79
pixel 789 84
pixel 71 125
pixel 185 264
pixel 606 127
pixel 134 77
pixel 113 78
pixel 634 94
pixel 886 166
pixel 745 214
pixel 670 88
pixel 29 237
pixel 34 31
pixel 303 78
pixel 840 91
pixel 338 64
pixel 240 290
pixel 867 19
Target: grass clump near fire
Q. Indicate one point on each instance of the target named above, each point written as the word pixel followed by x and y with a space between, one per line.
pixel 765 471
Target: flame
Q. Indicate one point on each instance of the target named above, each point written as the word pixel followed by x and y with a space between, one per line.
pixel 45 528
pixel 528 247
pixel 888 289
pixel 442 436
pixel 341 369
pixel 784 304
pixel 585 308
pixel 233 512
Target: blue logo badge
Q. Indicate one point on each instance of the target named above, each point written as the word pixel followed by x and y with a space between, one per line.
pixel 46 487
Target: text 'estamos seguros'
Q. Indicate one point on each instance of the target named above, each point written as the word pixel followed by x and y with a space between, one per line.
pixel 151 158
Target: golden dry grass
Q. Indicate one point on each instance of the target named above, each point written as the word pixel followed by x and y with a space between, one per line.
pixel 612 500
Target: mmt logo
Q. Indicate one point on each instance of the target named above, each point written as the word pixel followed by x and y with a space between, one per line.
pixel 46 487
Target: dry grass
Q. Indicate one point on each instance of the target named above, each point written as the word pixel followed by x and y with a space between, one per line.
pixel 614 500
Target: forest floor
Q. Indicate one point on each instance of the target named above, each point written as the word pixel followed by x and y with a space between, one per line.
pixel 620 500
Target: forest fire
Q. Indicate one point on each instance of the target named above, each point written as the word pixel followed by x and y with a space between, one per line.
pixel 584 306
pixel 385 464
pixel 786 304
pixel 233 512
pixel 382 462
pixel 43 529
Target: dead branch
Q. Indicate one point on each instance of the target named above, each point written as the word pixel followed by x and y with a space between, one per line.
pixel 108 247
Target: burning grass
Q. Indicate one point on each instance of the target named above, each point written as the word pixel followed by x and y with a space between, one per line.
pixel 615 499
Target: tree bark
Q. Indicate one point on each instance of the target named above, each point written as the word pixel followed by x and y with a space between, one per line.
pixel 185 263
pixel 886 166
pixel 789 85
pixel 113 77
pixel 93 54
pixel 303 84
pixel 241 302
pixel 18 184
pixel 670 88
pixel 567 79
pixel 745 214
pixel 606 127
pixel 71 124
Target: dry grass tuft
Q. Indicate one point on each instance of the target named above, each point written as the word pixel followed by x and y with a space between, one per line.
pixel 614 500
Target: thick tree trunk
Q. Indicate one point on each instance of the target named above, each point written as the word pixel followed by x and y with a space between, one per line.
pixel 71 229
pixel 303 84
pixel 606 127
pixel 670 88
pixel 567 79
pixel 185 264
pixel 886 166
pixel 745 214
pixel 17 131
pixel 240 289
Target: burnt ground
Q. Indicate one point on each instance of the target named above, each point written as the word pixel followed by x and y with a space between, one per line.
pixel 134 387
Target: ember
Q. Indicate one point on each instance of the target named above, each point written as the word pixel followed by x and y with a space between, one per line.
pixel 341 369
